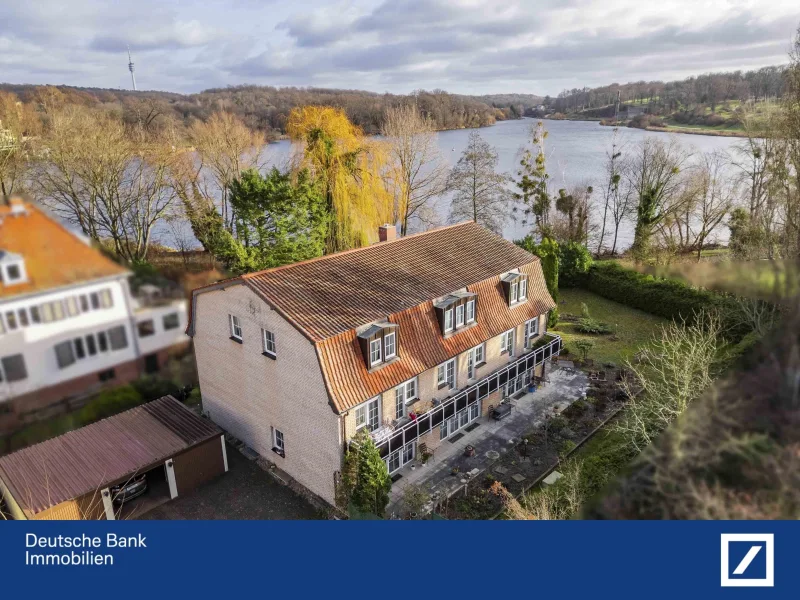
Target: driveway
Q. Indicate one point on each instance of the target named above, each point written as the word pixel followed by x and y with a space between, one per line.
pixel 244 492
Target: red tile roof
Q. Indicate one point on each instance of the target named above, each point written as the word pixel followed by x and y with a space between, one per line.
pixel 332 294
pixel 53 256
pixel 327 298
pixel 421 345
pixel 93 457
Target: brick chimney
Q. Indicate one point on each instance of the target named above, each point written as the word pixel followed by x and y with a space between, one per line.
pixel 387 233
pixel 17 204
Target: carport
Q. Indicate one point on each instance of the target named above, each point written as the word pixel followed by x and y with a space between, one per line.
pixel 72 476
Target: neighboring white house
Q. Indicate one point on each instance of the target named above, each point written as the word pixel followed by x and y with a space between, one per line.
pixel 68 321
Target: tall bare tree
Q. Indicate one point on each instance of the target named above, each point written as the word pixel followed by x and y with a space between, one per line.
pixel 714 197
pixel 611 190
pixel 655 175
pixel 480 192
pixel 104 178
pixel 225 147
pixel 417 170
pixel 18 125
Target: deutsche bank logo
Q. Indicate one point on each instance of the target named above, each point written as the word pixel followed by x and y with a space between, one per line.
pixel 748 560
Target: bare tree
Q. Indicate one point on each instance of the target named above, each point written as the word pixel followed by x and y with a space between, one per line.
pixel 105 179
pixel 672 372
pixel 18 124
pixel 715 195
pixel 611 191
pixel 224 147
pixel 655 175
pixel 417 170
pixel 622 204
pixel 480 192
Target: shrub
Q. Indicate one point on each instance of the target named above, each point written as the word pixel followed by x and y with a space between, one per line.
pixel 574 261
pixel 566 447
pixel 576 409
pixel 593 327
pixel 110 402
pixel 666 298
pixel 557 423
pixel 151 387
pixel 584 346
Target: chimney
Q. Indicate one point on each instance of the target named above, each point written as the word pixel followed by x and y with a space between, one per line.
pixel 387 233
pixel 17 205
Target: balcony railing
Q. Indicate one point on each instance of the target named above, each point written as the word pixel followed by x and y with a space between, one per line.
pixel 390 441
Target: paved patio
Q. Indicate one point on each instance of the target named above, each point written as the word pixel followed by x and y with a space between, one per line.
pixel 491 439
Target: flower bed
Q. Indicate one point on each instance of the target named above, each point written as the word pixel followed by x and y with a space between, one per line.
pixel 546 445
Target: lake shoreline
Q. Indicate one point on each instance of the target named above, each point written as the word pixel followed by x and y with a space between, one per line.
pixel 667 129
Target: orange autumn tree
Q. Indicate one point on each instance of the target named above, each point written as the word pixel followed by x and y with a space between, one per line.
pixel 350 167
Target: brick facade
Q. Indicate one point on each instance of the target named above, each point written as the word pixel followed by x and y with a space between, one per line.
pixel 250 394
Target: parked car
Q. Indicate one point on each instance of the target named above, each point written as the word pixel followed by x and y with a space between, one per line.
pixel 133 488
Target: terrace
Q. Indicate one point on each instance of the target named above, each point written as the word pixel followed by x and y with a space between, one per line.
pixel 489 439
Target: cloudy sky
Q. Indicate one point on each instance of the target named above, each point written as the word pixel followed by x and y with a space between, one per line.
pixel 466 46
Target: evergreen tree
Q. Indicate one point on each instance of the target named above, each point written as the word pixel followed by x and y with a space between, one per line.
pixel 370 490
pixel 280 218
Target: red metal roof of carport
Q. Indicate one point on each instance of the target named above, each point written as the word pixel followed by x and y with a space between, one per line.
pixel 93 457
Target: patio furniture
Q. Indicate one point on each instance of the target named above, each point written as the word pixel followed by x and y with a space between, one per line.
pixel 502 411
pixel 422 450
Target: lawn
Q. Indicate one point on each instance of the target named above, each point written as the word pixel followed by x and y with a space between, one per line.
pixel 631 328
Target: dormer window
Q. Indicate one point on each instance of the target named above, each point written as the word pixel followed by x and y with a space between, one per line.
pixel 515 286
pixel 375 353
pixel 12 268
pixel 456 311
pixel 379 344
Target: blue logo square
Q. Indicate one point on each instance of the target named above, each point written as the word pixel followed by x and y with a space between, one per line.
pixel 755 563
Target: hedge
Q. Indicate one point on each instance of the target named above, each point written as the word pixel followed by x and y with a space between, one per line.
pixel 666 298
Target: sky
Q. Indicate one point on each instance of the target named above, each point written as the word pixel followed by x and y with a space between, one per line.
pixel 462 46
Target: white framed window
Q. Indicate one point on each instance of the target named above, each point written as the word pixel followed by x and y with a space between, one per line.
pixel 236 327
pixel 390 345
pixel 375 352
pixel 507 342
pixel 268 340
pixel 404 394
pixel 523 288
pixel 278 443
pixel 446 374
pixel 475 358
pixel 460 315
pixel 471 311
pixel 368 415
pixel 531 331
pixel 13 273
pixel 513 294
pixel 448 320
pixel 480 354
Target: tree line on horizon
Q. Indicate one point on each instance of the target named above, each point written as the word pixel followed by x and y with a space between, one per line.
pixel 710 89
pixel 267 108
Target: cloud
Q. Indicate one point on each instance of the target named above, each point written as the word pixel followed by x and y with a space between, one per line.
pixel 467 46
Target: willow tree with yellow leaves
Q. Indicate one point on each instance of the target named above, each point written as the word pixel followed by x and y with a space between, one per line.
pixel 350 167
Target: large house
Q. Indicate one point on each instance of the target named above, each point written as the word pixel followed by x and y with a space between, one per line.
pixel 411 339
pixel 69 324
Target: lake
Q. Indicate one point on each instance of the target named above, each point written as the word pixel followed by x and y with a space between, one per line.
pixel 576 154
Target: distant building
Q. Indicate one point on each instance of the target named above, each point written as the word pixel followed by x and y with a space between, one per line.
pixel 635 111
pixel 69 324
